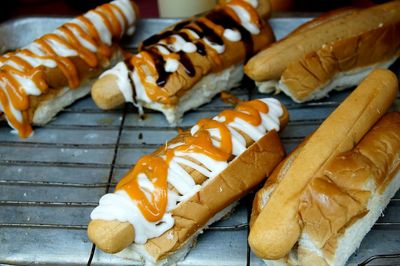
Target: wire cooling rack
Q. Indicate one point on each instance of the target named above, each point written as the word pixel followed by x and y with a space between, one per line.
pixel 49 183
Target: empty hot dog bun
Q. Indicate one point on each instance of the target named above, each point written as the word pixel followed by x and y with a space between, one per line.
pixel 334 51
pixel 279 226
pixel 39 80
pixel 287 209
pixel 170 196
pixel 339 206
pixel 188 63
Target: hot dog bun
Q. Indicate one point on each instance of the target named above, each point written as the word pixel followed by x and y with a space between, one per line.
pixel 215 198
pixel 184 66
pixel 334 51
pixel 278 226
pixel 355 187
pixel 42 78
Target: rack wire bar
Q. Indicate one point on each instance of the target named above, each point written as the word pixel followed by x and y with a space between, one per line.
pixel 49 183
pixel 379 257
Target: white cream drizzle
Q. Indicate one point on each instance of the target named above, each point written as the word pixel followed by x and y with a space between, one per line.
pixel 139 87
pixel 253 3
pixel 171 64
pixel 180 44
pixel 121 72
pixel 35 48
pixel 35 62
pixel 126 7
pixel 245 19
pixel 118 206
pixel 100 26
pixel 60 49
pixel 218 48
pixel 17 113
pixel 88 45
pixel 232 35
pixel 193 34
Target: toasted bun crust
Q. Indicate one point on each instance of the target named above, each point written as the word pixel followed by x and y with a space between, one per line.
pixel 303 79
pixel 241 176
pixel 105 93
pixel 348 186
pixel 277 228
pixel 340 206
pixel 263 195
pixel 99 232
pixel 270 63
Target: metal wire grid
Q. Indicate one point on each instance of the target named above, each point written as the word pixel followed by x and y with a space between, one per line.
pixel 22 187
pixel 49 184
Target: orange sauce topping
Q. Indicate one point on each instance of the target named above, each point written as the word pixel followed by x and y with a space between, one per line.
pixel 146 67
pixel 247 111
pixel 229 98
pixel 156 170
pixel 13 97
pixel 153 207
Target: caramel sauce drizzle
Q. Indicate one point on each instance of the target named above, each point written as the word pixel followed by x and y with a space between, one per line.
pixel 210 27
pixel 156 167
pixel 12 93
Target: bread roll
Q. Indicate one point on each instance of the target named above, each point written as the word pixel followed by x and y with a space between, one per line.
pixel 184 66
pixel 216 184
pixel 334 51
pixel 39 80
pixel 339 207
pixel 278 226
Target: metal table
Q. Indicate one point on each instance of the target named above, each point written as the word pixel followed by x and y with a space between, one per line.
pixel 49 183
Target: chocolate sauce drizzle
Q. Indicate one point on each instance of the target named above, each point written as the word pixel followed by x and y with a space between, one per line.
pixel 159 63
pixel 181 25
pixel 187 64
pixel 155 39
pixel 219 17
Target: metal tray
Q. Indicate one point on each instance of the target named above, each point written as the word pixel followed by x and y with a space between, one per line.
pixel 49 183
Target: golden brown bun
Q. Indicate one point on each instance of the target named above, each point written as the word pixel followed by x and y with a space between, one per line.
pixel 342 193
pixel 277 227
pixel 179 82
pixel 270 63
pixel 272 182
pixel 324 18
pixel 190 215
pixel 316 69
pixel 103 229
pixel 109 98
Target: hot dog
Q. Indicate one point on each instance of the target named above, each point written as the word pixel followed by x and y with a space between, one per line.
pixel 39 80
pixel 184 66
pixel 334 51
pixel 170 196
pixel 327 195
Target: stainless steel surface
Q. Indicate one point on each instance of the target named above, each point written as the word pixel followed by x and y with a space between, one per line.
pixel 50 182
